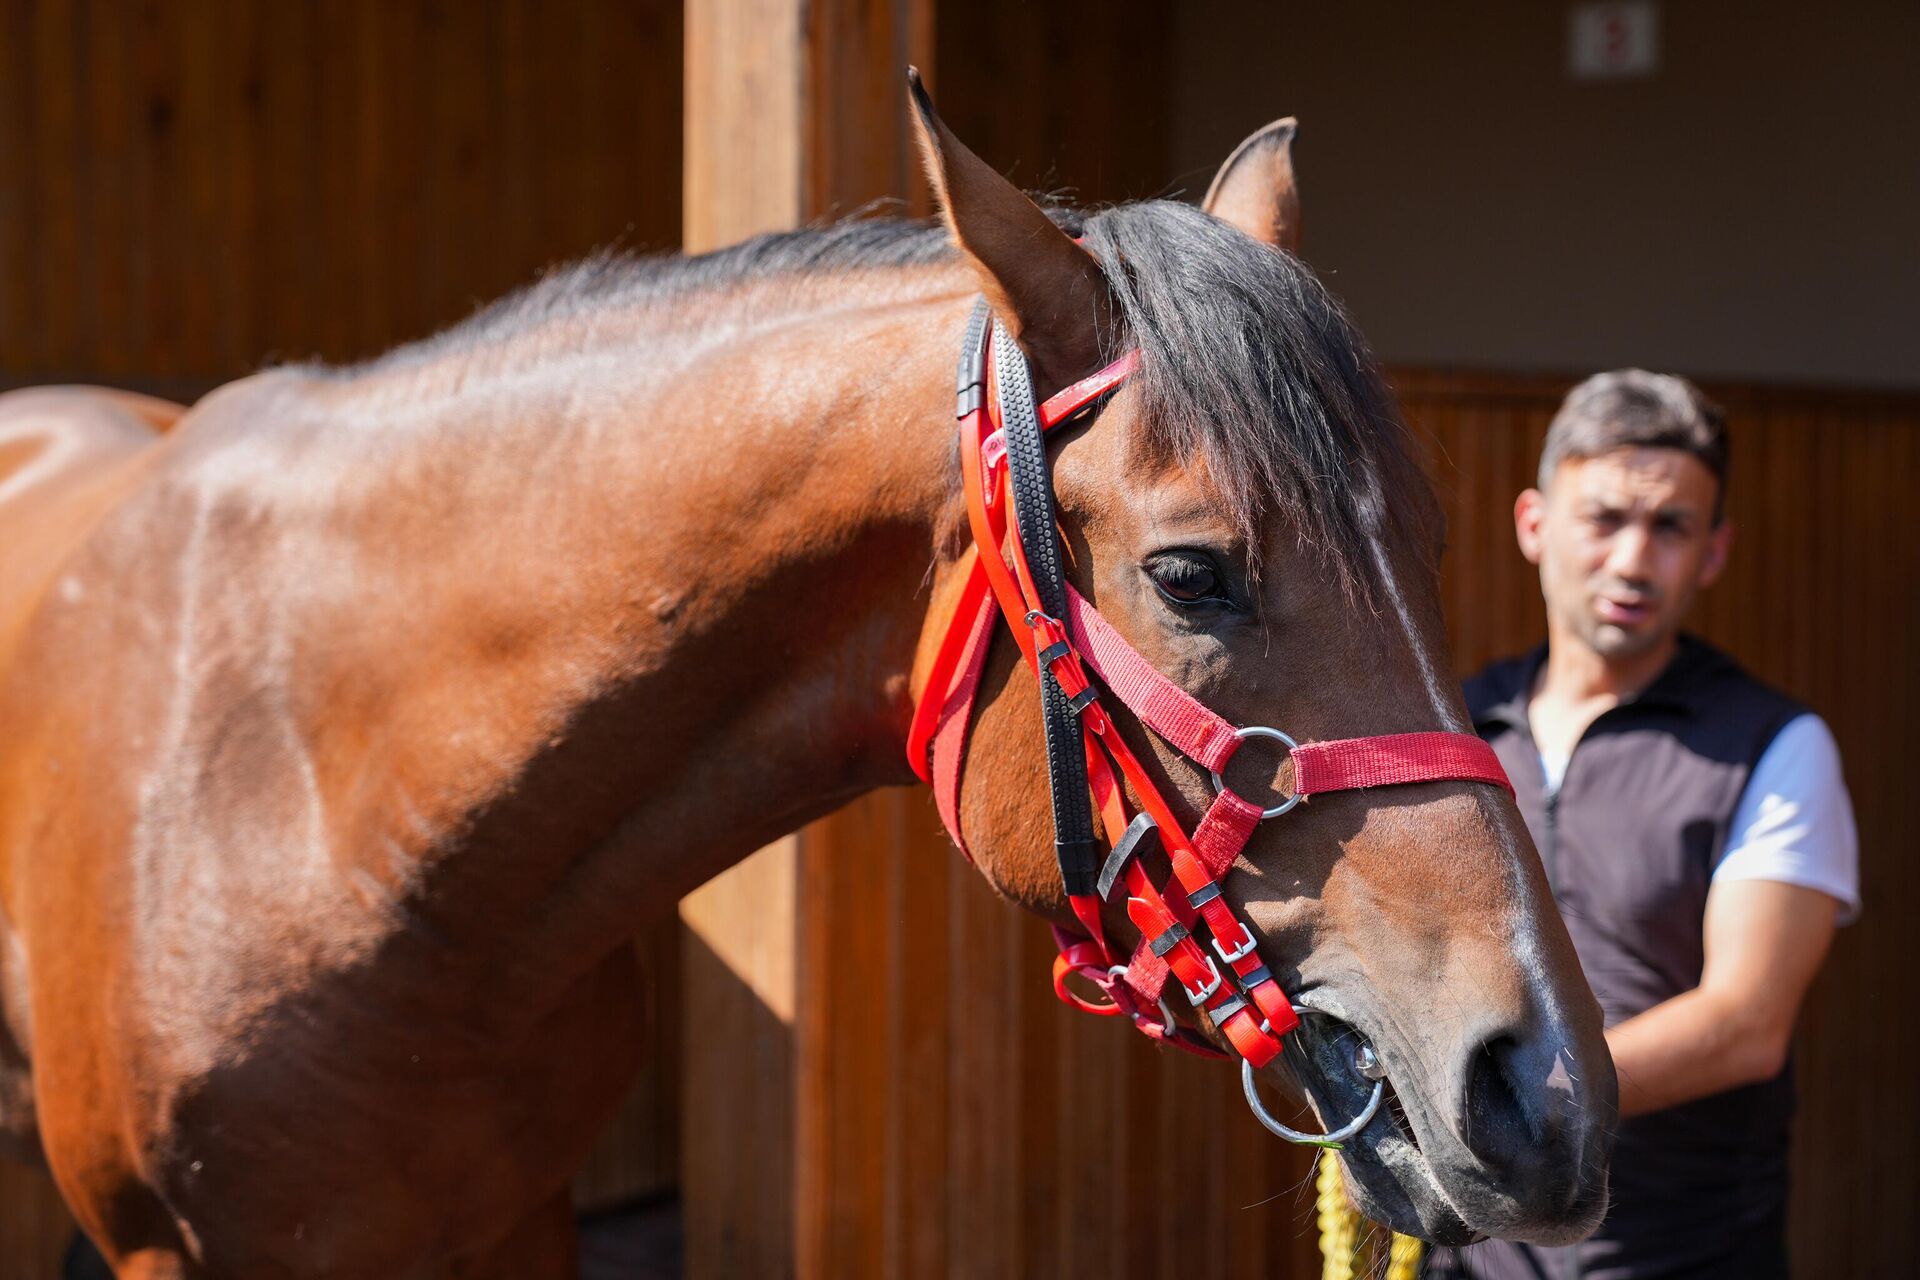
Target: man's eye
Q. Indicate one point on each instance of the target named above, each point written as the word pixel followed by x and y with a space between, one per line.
pixel 1187 580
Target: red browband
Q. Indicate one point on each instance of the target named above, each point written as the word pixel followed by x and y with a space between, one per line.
pixel 1244 1001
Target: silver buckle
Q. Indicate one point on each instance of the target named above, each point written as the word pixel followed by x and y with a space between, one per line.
pixel 1198 998
pixel 1240 952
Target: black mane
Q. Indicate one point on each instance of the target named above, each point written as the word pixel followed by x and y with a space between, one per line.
pixel 1247 360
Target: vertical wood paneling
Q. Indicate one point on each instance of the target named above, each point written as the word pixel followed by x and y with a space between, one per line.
pixel 1060 99
pixel 1061 1145
pixel 738 1108
pixel 744 162
pixel 19 207
pixel 63 274
pixel 639 1154
pixel 795 111
pixel 190 189
pixel 745 122
pixel 113 197
pixel 35 1227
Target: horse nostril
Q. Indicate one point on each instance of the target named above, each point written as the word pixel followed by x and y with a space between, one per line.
pixel 1497 1125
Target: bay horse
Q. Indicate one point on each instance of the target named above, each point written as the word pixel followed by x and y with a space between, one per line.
pixel 351 725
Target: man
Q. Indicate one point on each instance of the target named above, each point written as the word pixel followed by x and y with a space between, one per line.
pixel 1693 823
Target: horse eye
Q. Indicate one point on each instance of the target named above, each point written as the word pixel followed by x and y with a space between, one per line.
pixel 1186 580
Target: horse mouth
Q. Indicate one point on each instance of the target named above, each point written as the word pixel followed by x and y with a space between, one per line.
pixel 1388 1175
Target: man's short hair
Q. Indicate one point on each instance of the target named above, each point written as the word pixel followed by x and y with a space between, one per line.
pixel 1631 408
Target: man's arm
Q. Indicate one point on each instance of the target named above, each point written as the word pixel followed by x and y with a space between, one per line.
pixel 1764 942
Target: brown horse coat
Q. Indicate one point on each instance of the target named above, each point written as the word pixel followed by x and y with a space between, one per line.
pixel 353 724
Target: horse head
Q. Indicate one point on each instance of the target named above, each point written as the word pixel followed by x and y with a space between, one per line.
pixel 1248 513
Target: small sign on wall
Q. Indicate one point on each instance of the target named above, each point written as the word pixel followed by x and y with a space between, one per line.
pixel 1613 41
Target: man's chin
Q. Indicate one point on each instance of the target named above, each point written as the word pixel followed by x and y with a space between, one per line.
pixel 1615 640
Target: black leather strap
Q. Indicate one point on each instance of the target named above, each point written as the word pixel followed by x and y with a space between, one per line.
pixel 1138 830
pixel 1031 483
pixel 970 379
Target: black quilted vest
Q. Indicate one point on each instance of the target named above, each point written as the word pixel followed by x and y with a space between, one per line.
pixel 1630 842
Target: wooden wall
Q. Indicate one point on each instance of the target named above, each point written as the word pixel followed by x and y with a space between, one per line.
pixel 1062 99
pixel 191 188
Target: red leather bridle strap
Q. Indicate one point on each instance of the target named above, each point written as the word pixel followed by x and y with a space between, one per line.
pixel 1090 662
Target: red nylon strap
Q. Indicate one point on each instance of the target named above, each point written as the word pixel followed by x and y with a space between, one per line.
pixel 1147 973
pixel 970 615
pixel 1085 958
pixel 949 745
pixel 1164 706
pixel 952 655
pixel 1066 402
pixel 1352 764
pixel 1224 830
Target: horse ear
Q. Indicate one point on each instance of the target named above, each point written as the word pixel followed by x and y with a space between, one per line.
pixel 1047 290
pixel 1255 190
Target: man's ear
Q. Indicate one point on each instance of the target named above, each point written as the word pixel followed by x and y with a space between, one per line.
pixel 1529 515
pixel 1255 189
pixel 1047 290
pixel 1719 547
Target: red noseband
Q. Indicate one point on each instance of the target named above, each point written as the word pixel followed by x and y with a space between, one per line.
pixel 1088 661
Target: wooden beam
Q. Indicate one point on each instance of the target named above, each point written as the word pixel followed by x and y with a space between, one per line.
pixel 795 111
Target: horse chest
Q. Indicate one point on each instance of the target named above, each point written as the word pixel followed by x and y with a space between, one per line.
pixel 377 1142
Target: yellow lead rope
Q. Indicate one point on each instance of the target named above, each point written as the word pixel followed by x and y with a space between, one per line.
pixel 1341 1246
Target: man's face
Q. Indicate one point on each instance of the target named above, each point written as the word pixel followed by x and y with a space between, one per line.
pixel 1623 541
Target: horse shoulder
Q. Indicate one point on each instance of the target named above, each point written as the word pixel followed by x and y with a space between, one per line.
pixel 65 454
pixel 87 669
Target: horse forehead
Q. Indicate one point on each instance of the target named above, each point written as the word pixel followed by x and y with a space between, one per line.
pixel 1112 469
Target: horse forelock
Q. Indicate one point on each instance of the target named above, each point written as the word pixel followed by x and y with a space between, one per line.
pixel 1248 362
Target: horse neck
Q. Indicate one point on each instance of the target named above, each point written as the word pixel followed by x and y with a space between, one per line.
pixel 677 593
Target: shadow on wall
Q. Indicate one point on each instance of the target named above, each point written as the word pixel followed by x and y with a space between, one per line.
pixel 84 1262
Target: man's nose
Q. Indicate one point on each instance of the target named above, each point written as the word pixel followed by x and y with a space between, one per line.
pixel 1627 553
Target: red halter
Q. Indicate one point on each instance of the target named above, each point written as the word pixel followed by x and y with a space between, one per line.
pixel 1244 1002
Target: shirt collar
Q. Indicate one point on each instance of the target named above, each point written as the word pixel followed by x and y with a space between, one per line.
pixel 1674 689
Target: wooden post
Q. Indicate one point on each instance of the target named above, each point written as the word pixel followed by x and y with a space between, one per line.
pixel 795 110
pixel 879 1081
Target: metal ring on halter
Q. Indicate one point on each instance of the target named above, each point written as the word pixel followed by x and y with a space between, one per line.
pixel 1261 731
pixel 1166 1014
pixel 1345 1131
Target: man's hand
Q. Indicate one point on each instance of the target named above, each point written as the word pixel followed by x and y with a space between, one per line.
pixel 1764 942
